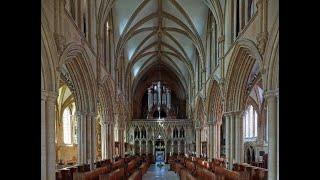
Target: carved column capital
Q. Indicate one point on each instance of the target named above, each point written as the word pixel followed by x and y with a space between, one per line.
pixel 51 96
pixel 262 41
pixel 271 94
pixel 221 39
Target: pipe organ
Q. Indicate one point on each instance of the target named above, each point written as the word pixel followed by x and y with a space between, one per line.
pixel 159 100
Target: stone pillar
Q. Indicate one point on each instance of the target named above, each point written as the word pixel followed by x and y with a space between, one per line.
pixel 263 16
pixel 104 136
pixel 237 116
pixel 94 137
pixel 121 142
pixel 107 141
pixel 215 140
pixel 241 14
pixel 211 141
pixel 79 15
pixel 179 146
pixel 234 20
pixel 140 148
pixel 79 153
pixel 48 149
pixel 246 18
pixel 88 140
pixel 218 142
pixel 198 142
pixel 232 139
pixel 111 142
pixel 165 150
pixel 227 139
pixel 153 148
pixel 91 139
pixel 172 144
pixel 272 116
pixel 43 136
pixel 185 146
pixel 91 23
pixel 228 26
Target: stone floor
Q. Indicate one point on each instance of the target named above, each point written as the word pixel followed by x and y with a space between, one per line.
pixel 155 172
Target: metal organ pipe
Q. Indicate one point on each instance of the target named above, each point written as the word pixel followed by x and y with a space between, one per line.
pixel 168 98
pixel 150 99
pixel 159 93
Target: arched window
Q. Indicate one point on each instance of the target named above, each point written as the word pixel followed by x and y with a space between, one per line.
pixel 250 123
pixel 67 126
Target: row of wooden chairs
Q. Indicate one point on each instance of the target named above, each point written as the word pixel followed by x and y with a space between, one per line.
pixel 123 168
pixel 196 168
pixel 250 172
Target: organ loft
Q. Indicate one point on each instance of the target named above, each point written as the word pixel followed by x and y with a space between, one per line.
pixel 159 102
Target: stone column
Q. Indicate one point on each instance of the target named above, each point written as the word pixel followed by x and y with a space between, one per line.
pixel 79 15
pixel 91 139
pixel 91 23
pixel 215 140
pixel 232 139
pixel 111 141
pixel 263 16
pixel 241 14
pixel 179 148
pixel 272 116
pixel 49 139
pixel 165 150
pixel 227 139
pixel 198 142
pixel 172 147
pixel 103 139
pixel 153 148
pixel 140 148
pixel 44 173
pixel 238 136
pixel 228 26
pixel 107 141
pixel 79 152
pixel 121 142
pixel 234 20
pixel 218 142
pixel 185 147
pixel 246 18
pixel 88 140
pixel 211 141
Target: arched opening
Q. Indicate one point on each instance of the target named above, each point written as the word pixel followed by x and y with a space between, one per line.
pixel 66 135
pixel 248 156
pixel 136 133
pixel 137 148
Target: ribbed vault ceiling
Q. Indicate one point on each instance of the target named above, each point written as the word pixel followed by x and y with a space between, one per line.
pixel 170 31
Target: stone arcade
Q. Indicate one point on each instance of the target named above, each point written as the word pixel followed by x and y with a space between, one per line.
pixel 126 84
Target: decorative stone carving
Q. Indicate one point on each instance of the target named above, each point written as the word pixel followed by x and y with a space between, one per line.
pixel 60 42
pixel 262 41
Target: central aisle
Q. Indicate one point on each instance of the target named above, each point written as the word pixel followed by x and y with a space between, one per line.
pixel 155 172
